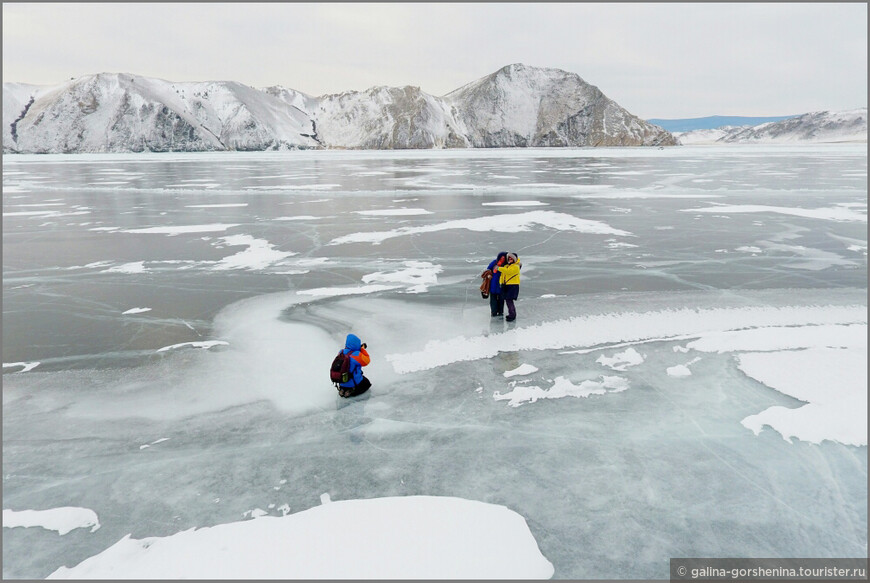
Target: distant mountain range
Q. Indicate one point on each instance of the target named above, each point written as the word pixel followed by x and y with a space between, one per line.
pixel 517 106
pixel 712 122
pixel 818 127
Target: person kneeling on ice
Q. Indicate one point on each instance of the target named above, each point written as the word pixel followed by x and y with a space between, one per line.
pixel 346 371
pixel 509 278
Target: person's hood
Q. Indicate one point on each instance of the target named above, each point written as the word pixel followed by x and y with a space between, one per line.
pixel 353 342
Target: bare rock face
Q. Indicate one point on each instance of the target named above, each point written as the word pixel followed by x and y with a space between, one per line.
pixel 517 106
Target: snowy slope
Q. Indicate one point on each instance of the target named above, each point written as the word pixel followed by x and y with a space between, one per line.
pixel 820 126
pixel 17 98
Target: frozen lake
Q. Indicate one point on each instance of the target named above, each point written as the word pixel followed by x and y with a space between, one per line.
pixel 687 375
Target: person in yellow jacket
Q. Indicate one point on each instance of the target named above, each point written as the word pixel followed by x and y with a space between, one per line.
pixel 509 279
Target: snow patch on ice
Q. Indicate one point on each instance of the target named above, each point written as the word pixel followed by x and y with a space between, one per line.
pixel 178 230
pixel 259 254
pixel 516 203
pixel 63 519
pixel 621 360
pixel 832 382
pixel 26 366
pixel 147 445
pixel 418 275
pixel 206 344
pixel 465 539
pixel 394 212
pixel 523 369
pixel 217 206
pixel 130 268
pixel 500 223
pixel 681 370
pixel 135 311
pixel 562 387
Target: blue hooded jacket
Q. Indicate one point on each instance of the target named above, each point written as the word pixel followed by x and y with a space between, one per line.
pixel 358 359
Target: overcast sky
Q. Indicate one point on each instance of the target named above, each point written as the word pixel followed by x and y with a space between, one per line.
pixel 656 60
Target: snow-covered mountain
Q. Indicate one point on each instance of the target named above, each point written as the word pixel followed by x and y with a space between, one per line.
pixel 127 113
pixel 516 106
pixel 820 126
pixel 526 106
pixel 386 118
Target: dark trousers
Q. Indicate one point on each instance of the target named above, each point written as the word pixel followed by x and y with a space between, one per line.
pixel 496 304
pixel 512 311
pixel 363 386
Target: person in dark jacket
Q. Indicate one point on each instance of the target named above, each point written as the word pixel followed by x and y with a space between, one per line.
pixel 509 278
pixel 496 301
pixel 359 357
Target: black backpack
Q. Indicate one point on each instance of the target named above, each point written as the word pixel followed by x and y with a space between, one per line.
pixel 339 372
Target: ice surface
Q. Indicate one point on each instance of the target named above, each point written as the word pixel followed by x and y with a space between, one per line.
pixel 679 381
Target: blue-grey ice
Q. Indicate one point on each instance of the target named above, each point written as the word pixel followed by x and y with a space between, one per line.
pixel 687 375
